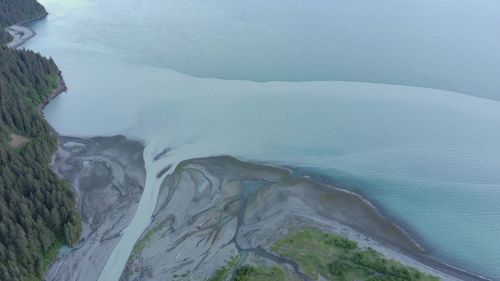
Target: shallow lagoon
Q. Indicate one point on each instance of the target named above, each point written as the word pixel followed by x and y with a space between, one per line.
pixel 430 158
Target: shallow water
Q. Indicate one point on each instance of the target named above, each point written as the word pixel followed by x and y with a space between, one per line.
pixel 429 157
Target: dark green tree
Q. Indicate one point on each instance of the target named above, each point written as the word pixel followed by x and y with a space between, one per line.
pixel 37 210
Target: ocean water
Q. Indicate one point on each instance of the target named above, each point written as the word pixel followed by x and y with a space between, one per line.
pixel 398 100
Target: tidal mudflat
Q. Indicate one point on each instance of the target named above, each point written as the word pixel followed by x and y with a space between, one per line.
pixel 209 211
pixel 263 81
pixel 212 210
pixel 20 35
pixel 108 176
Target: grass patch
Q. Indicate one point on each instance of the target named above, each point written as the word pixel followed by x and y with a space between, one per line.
pixel 336 258
pixel 251 273
pixel 51 254
pixel 222 273
pixel 141 244
pixel 48 258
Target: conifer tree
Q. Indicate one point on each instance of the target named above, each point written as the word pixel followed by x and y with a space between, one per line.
pixel 37 210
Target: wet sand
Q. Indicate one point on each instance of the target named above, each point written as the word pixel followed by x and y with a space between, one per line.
pixel 212 209
pixel 21 34
pixel 208 211
pixel 107 175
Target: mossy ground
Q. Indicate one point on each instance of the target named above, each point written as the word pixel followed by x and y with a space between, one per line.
pixel 328 255
pixel 48 258
pixel 222 273
pixel 336 258
pixel 248 272
pixel 252 273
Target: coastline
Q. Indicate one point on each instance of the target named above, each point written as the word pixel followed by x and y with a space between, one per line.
pixel 418 260
pixel 108 189
pixel 107 175
pixel 284 204
pixel 20 33
pixel 419 242
pixel 61 88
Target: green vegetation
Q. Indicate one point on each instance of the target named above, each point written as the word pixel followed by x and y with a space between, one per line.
pixel 16 11
pixel 37 210
pixel 160 229
pixel 4 37
pixel 336 258
pixel 252 273
pixel 222 273
pixel 330 256
pixel 248 273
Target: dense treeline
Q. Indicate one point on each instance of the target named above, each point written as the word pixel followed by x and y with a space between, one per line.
pixel 37 210
pixel 4 37
pixel 16 11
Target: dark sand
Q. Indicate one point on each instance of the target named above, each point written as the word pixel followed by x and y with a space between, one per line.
pixel 108 177
pixel 208 211
pixel 211 209
pixel 217 206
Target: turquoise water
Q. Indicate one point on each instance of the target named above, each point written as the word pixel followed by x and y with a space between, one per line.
pixel 200 77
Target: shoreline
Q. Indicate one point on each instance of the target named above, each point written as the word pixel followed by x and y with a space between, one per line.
pixel 410 256
pixel 350 215
pixel 414 237
pixel 61 88
pixel 22 34
pixel 431 263
pixel 401 225
pixel 107 176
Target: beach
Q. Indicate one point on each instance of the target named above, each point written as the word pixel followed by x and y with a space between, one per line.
pixel 107 175
pixel 209 210
pixel 21 34
pixel 232 205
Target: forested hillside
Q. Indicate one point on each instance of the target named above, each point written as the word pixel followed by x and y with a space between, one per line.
pixel 16 11
pixel 37 210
